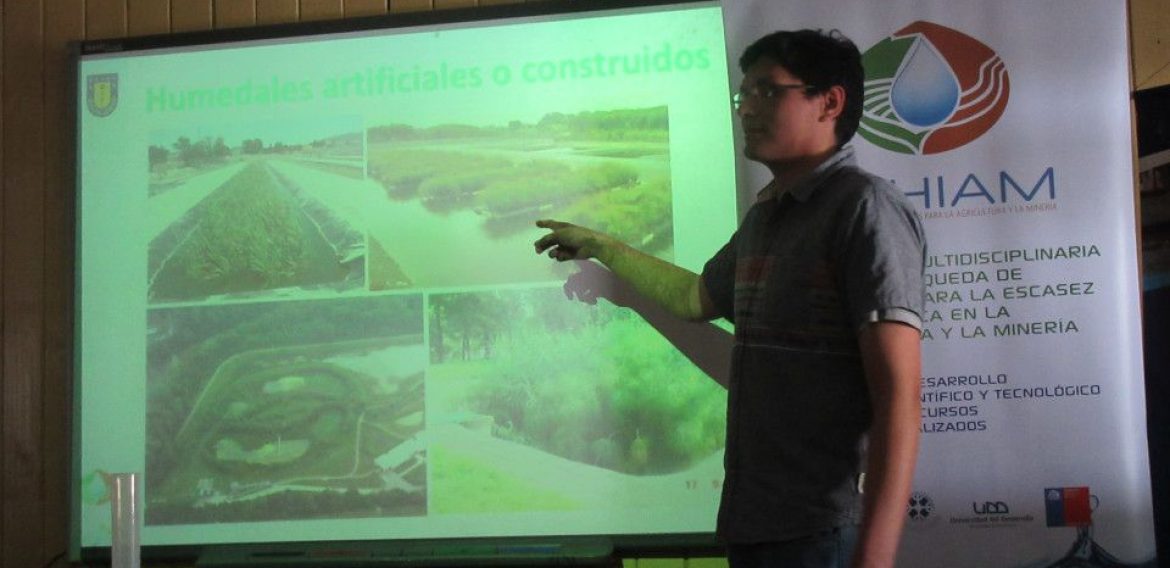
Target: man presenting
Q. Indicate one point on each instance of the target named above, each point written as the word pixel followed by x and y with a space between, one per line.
pixel 823 281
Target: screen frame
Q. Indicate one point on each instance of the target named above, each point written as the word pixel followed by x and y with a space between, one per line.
pixel 327 552
pixel 398 20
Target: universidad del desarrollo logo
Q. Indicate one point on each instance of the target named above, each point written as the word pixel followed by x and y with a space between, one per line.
pixel 930 88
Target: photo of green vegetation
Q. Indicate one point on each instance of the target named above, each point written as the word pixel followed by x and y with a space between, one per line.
pixel 252 216
pixel 542 389
pixel 478 190
pixel 286 410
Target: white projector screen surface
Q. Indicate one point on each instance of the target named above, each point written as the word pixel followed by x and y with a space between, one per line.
pixel 308 302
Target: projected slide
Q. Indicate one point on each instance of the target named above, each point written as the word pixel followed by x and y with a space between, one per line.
pixel 309 303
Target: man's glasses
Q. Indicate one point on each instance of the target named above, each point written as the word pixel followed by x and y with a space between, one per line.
pixel 764 91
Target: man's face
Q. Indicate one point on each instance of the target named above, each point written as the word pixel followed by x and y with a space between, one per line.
pixel 781 121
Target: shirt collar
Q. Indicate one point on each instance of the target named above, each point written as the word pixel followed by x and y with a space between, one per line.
pixel 804 188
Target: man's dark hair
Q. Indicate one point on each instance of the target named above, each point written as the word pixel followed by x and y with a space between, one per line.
pixel 820 60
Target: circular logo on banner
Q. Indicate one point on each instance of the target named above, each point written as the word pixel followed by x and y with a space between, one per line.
pixel 929 89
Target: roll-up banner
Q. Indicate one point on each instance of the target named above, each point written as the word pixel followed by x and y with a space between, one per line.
pixel 1007 125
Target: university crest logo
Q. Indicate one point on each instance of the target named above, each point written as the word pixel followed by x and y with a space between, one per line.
pixel 930 89
pixel 101 94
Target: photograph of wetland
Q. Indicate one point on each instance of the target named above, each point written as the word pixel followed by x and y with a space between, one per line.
pixel 459 201
pixel 526 389
pixel 286 410
pixel 251 211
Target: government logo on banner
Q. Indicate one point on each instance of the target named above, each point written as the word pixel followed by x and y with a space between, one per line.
pixel 1073 507
pixel 930 89
pixel 101 94
pixel 1068 506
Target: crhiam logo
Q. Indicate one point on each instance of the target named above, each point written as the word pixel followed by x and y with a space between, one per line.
pixel 930 89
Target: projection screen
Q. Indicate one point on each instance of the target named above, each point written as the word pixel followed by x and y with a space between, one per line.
pixel 308 303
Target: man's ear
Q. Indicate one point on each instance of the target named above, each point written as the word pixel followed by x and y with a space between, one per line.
pixel 834 102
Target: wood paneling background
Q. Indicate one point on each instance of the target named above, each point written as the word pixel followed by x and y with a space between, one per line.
pixel 1149 30
pixel 36 219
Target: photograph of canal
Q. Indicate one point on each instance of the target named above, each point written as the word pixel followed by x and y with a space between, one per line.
pixel 460 200
pixel 286 410
pixel 245 215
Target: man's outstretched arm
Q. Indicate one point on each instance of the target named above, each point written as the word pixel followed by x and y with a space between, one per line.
pixel 678 290
pixel 891 355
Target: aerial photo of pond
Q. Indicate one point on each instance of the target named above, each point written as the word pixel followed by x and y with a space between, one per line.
pixel 286 410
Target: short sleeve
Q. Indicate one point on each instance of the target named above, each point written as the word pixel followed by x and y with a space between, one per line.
pixel 719 278
pixel 883 262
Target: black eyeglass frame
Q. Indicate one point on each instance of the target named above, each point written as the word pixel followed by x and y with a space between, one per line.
pixel 766 91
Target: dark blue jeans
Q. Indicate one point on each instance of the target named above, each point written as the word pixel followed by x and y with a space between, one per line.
pixel 828 549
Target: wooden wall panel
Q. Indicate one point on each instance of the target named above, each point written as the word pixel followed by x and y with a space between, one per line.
pixel 22 300
pixel 105 19
pixel 277 11
pixel 2 178
pixel 444 4
pixel 3 244
pixel 190 15
pixel 145 17
pixel 64 23
pixel 321 10
pixel 234 13
pixel 1150 38
pixel 355 8
pixel 410 5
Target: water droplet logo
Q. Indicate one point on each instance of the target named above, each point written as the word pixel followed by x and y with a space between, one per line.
pixel 930 89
